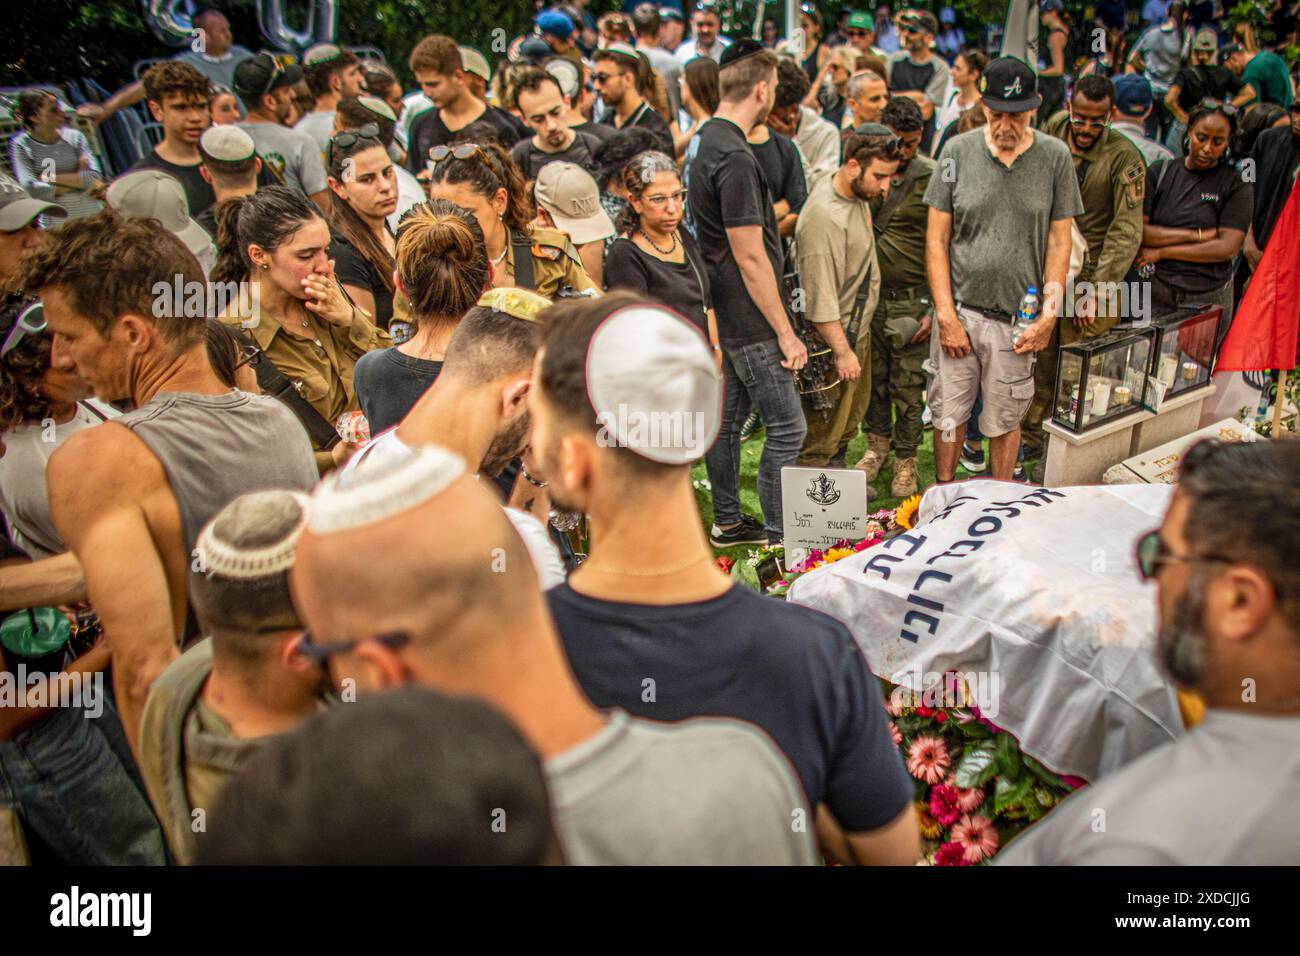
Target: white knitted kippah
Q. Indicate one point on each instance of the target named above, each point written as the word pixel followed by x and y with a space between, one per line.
pixel 353 498
pixel 216 556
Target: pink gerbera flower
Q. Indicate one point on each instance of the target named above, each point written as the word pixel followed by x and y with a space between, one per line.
pixel 927 759
pixel 977 836
pixel 951 854
pixel 970 800
pixel 945 804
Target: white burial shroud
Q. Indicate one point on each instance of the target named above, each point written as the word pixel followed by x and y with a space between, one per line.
pixel 1035 591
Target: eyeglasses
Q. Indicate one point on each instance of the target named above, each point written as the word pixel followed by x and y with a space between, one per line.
pixel 1227 109
pixel 1153 555
pixel 660 199
pixel 602 77
pixel 249 355
pixel 30 321
pixel 1079 122
pixel 854 34
pixel 320 653
pixel 350 138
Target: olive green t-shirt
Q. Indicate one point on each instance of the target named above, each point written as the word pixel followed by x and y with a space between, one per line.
pixel 900 249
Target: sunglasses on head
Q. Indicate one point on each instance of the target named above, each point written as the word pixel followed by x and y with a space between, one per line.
pixel 1227 109
pixel 349 138
pixel 276 71
pixel 463 151
pixel 30 321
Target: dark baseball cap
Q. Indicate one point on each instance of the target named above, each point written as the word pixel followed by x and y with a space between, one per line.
pixel 1133 95
pixel 1229 50
pixel 261 74
pixel 1008 85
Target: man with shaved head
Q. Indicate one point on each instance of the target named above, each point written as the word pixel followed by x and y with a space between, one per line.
pixel 410 574
pixel 477 406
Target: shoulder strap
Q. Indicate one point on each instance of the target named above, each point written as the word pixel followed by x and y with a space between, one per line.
pixel 279 386
pixel 890 205
pixel 93 410
pixel 523 261
pixel 1081 171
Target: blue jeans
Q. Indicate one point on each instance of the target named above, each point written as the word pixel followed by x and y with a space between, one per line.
pixel 73 784
pixel 752 375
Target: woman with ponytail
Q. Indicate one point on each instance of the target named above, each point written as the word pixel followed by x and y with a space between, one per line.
pixel 301 318
pixel 483 179
pixel 442 269
pixel 363 193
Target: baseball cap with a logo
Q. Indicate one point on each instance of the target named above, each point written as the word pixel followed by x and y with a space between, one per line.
pixel 654 385
pixel 1008 85
pixel 1206 39
pixel 18 208
pixel 570 195
pixel 152 194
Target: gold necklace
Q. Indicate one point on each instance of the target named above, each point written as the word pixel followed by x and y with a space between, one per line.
pixel 642 573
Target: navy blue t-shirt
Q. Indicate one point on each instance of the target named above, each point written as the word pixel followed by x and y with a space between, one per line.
pixel 793 672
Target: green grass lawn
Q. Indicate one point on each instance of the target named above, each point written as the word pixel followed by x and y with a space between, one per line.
pixel 753 448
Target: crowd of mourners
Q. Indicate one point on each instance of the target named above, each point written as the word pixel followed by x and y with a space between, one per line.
pixel 322 424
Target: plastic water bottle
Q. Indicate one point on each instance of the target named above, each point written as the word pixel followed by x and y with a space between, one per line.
pixel 1026 314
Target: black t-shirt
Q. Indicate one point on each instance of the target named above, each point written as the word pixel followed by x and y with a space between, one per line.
pixel 208 220
pixel 581 152
pixel 1191 200
pixel 389 383
pixel 646 118
pixel 598 130
pixel 783 169
pixel 682 286
pixel 908 77
pixel 352 268
pixel 794 672
pixel 1196 83
pixel 428 130
pixel 1276 155
pixel 728 190
pixel 198 194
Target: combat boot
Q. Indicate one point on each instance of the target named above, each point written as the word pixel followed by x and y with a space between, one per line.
pixel 904 485
pixel 874 459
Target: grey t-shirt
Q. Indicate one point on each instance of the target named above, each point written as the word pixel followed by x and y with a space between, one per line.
pixel 705 791
pixel 1001 215
pixel 294 157
pixel 319 125
pixel 1224 794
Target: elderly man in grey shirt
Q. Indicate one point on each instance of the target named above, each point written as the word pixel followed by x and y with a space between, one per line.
pixel 1001 204
pixel 1228 589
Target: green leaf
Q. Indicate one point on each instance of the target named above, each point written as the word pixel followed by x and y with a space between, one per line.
pixel 976 768
pixel 1007 754
pixel 1009 793
pixel 1042 773
pixel 974 729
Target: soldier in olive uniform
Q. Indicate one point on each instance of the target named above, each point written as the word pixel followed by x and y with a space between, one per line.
pixel 552 265
pixel 1112 176
pixel 900 327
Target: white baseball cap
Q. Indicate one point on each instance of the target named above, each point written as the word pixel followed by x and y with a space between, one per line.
pixel 571 196
pixel 653 384
pixel 152 194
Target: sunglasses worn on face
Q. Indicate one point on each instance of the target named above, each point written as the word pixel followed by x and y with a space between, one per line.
pixel 1153 555
pixel 1079 122
pixel 29 322
pixel 320 653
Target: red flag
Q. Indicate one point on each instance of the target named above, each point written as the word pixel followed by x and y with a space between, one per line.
pixel 1263 332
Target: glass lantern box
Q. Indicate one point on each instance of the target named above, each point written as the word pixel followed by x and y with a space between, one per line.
pixel 1184 351
pixel 1102 379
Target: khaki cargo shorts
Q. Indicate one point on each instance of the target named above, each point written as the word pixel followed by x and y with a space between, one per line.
pixel 993 368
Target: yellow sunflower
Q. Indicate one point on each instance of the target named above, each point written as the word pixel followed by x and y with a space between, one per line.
pixel 931 828
pixel 905 515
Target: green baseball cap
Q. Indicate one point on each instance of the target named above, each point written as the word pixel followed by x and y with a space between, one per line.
pixel 861 20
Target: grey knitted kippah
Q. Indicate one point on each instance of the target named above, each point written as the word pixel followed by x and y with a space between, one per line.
pixel 254 536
